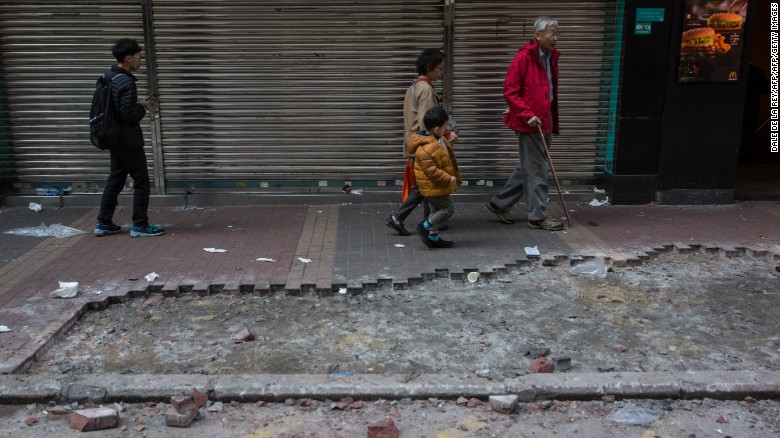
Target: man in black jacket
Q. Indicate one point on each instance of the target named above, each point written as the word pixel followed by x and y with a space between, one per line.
pixel 127 156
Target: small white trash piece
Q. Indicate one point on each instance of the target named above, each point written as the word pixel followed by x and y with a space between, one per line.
pixel 532 251
pixel 597 203
pixel 473 276
pixel 399 245
pixel 343 290
pixel 303 260
pixel 214 250
pixel 592 268
pixel 66 290
pixel 151 277
pixel 265 259
pixel 35 207
pixel 4 328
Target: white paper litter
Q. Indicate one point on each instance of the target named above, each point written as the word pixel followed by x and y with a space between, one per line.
pixel 356 192
pixel 598 190
pixel 35 207
pixel 66 290
pixel 532 251
pixel 343 290
pixel 303 260
pixel 597 203
pixel 151 277
pixel 4 328
pixel 400 245
pixel 264 259
pixel 214 250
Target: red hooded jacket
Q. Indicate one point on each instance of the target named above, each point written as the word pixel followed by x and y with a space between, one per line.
pixel 527 90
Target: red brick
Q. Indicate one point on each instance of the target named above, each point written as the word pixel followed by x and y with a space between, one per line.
pixel 540 365
pixel 86 420
pixel 383 429
pixel 200 398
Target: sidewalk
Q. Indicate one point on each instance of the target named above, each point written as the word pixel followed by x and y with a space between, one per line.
pixel 348 246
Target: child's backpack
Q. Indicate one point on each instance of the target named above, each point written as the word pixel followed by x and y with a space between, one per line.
pixel 104 126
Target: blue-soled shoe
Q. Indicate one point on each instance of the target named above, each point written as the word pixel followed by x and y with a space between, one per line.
pixel 102 229
pixel 150 230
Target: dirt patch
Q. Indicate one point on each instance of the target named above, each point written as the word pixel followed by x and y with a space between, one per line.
pixel 692 311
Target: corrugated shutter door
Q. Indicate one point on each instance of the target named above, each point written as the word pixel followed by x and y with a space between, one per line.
pixel 287 90
pixel 52 53
pixel 487 36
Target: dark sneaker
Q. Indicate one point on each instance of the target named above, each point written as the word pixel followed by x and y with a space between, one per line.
pixel 147 231
pixel 424 236
pixel 441 243
pixel 102 229
pixel 547 223
pixel 503 216
pixel 399 228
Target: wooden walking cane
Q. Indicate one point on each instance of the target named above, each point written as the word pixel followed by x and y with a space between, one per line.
pixel 555 176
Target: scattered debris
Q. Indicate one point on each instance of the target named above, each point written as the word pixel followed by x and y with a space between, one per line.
pixel 85 420
pixel 56 230
pixel 472 277
pixel 243 336
pixel 635 415
pixel 541 365
pixel 597 203
pixel 4 328
pixel 66 290
pixel 35 207
pixel 503 404
pixel 265 259
pixel 214 250
pixel 596 268
pixel 151 277
pixel 532 251
pixel 562 363
pixel 182 412
pixel 399 245
pixel 303 260
pixel 383 429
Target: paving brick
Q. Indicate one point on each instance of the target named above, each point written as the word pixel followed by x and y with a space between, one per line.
pixel 86 420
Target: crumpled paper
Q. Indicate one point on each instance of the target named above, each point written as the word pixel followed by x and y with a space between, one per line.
pixel 66 290
pixel 35 207
pixel 4 328
pixel 532 251
pixel 303 260
pixel 265 259
pixel 152 276
pixel 214 250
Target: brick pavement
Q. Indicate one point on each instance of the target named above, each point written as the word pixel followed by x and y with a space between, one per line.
pixel 348 245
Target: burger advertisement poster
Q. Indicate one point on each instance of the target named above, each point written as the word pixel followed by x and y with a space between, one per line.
pixel 711 43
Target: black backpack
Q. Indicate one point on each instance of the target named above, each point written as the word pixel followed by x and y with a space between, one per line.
pixel 104 125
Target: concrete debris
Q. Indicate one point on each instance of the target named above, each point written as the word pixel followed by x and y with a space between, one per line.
pixel 182 412
pixel 503 404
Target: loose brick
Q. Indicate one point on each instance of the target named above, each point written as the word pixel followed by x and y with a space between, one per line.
pixel 200 398
pixel 504 404
pixel 540 365
pixel 383 429
pixel 182 403
pixel 86 420
pixel 562 363
pixel 174 418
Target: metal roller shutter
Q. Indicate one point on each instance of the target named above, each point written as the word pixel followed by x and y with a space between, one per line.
pixel 287 90
pixel 52 53
pixel 487 36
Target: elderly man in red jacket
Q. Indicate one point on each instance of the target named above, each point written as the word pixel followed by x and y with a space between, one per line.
pixel 531 93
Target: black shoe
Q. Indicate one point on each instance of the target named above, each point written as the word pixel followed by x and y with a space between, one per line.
pixel 424 236
pixel 441 243
pixel 399 228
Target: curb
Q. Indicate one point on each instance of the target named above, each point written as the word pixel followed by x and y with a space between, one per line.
pixel 107 388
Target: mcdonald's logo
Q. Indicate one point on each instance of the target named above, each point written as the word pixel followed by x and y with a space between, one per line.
pixel 733 76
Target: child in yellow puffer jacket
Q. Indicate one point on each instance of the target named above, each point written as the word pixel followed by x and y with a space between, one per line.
pixel 437 175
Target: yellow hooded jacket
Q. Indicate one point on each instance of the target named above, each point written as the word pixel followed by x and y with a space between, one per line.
pixel 433 165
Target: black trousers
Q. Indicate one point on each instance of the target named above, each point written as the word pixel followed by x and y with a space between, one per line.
pixel 127 162
pixel 409 205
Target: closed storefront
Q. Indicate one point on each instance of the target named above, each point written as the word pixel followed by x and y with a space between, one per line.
pixel 288 93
